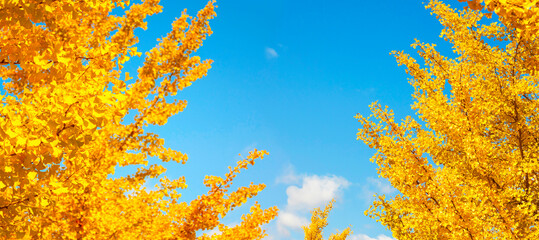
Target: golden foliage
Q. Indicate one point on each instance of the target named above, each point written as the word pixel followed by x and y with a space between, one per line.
pixel 65 126
pixel 319 222
pixel 523 15
pixel 468 169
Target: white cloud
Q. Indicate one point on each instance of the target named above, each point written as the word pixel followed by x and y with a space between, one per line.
pixel 290 220
pixel 306 193
pixel 315 192
pixel 365 237
pixel 271 53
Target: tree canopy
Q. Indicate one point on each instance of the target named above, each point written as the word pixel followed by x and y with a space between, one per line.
pixel 467 168
pixel 71 115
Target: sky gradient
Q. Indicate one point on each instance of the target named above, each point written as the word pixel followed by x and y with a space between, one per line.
pixel 289 77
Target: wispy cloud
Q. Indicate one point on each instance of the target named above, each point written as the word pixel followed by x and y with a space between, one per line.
pixel 150 185
pixel 376 186
pixel 211 232
pixel 382 187
pixel 216 230
pixel 245 151
pixel 289 176
pixel 365 237
pixel 271 53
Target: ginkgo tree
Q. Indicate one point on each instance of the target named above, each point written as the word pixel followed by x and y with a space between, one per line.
pixel 319 221
pixel 70 116
pixel 467 167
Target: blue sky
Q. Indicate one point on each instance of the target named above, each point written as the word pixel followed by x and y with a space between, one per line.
pixel 288 77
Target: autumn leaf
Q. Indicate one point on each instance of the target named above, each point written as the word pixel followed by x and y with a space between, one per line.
pixel 465 167
pixel 68 123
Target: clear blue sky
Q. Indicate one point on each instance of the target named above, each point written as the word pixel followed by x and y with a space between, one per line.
pixel 288 77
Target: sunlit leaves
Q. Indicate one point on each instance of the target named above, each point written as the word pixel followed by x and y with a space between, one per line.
pixel 319 222
pixel 466 169
pixel 65 126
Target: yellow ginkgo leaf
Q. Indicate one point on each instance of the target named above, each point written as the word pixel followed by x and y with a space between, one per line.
pixel 39 60
pixel 32 175
pixel 47 65
pixel 64 59
pixel 34 142
pixel 43 202
pixel 61 190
